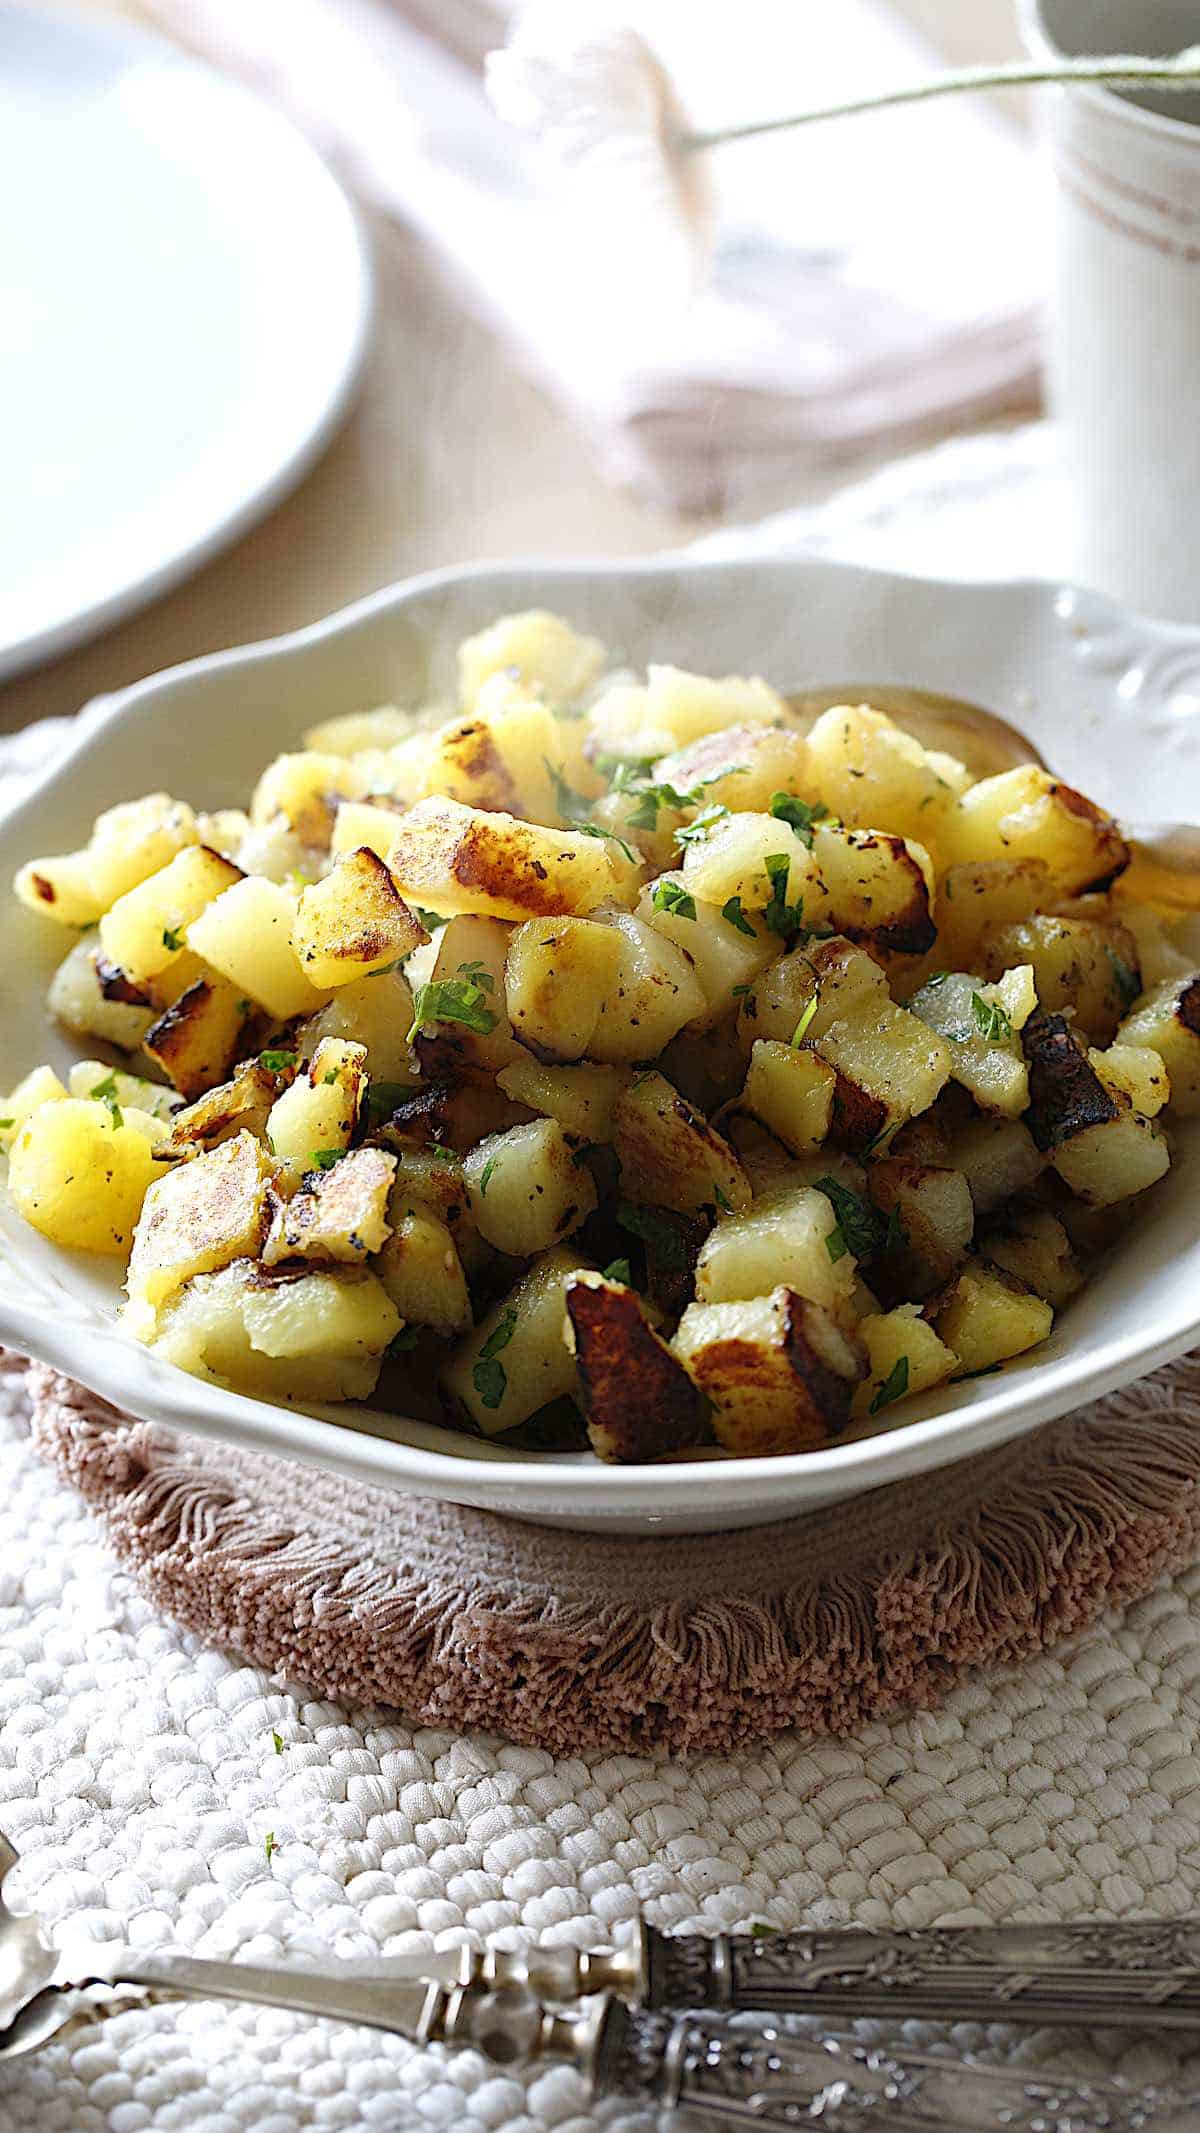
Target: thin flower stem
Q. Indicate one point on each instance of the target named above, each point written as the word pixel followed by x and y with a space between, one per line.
pixel 1179 72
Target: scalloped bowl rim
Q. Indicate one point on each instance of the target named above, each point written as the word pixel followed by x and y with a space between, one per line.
pixel 960 1423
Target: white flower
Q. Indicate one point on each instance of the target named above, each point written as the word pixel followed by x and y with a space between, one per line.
pixel 603 104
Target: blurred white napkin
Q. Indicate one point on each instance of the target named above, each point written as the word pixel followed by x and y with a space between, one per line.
pixel 870 276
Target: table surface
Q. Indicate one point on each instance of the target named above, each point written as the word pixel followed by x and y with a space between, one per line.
pixel 421 473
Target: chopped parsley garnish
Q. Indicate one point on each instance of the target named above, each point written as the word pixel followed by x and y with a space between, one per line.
pixel 5 1123
pixel 672 896
pixel 936 977
pixel 478 974
pixel 740 992
pixel 270 1846
pixel 105 1092
pixel 328 1081
pixel 696 832
pixel 593 829
pixel 401 1342
pixel 618 1270
pixel 429 919
pixel 798 1034
pixel 452 1000
pixel 835 1244
pixel 1127 980
pixel 734 915
pixel 990 1018
pixel 570 804
pixel 663 1240
pixel 325 1158
pixel 277 1740
pixel 489 1377
pixel 275 1062
pixel 799 814
pixel 172 940
pixel 650 795
pixel 863 1229
pixel 723 1200
pixel 894 1386
pixel 781 916
pixel 443 1155
pixel 487 1174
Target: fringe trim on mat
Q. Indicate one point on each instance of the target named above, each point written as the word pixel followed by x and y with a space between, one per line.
pixel 1088 1515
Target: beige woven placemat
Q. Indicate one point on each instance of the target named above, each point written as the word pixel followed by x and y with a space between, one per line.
pixel 572 1641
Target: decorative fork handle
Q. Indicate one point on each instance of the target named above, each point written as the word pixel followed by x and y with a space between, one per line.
pixel 1143 1975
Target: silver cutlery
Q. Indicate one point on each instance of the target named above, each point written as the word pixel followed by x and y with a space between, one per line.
pixel 725 2073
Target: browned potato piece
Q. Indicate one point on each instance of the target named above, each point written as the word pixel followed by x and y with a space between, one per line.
pixel 998 1157
pixel 82 998
pixel 1099 1145
pixel 454 1114
pixel 670 1155
pixel 460 859
pixel 879 888
pixel 986 1317
pixel 468 951
pixel 558 976
pixel 340 1214
pixel 352 922
pixel 906 1357
pixel 791 1090
pixel 778 1369
pixel 638 1400
pixel 198 1217
pixel 1077 963
pixel 422 1272
pixel 198 1038
pixel 239 1105
pixel 980 895
pixel 1167 1020
pixel 1032 1245
pixel 935 1211
pixel 741 767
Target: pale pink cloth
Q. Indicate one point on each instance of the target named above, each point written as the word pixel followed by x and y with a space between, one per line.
pixel 870 277
pixel 568 1641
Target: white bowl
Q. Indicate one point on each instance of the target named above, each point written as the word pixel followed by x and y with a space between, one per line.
pixel 1113 701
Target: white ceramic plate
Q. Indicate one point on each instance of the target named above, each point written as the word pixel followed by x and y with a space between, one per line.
pixel 1113 701
pixel 186 302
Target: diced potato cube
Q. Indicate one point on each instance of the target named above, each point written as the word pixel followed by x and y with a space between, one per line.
pixel 41 1086
pixel 247 935
pixel 740 767
pixel 890 1067
pixel 516 1359
pixel 656 993
pixel 906 1357
pixel 1091 969
pixel 670 1155
pixel 560 976
pixel 79 1172
pixel 198 1038
pixel 868 770
pixel 791 1091
pixel 363 825
pixel 504 754
pixel 204 1329
pixel 987 1317
pixel 60 887
pixel 127 1091
pixel 1034 1248
pixel 240 1105
pixel 420 1268
pixel 639 1401
pixel 79 999
pixel 977 898
pixel 462 859
pixel 1167 1019
pixel 469 952
pixel 726 953
pixel 354 732
pixel 304 790
pixel 134 839
pixel 982 1024
pixel 788 1238
pixel 998 1157
pixel 878 888
pixel 340 1215
pixel 1105 1163
pixel 743 855
pixel 1029 814
pixel 672 709
pixel 527 1190
pixel 935 1213
pixel 779 1372
pixel 144 930
pixel 1136 1072
pixel 313 1121
pixel 581 1098
pixel 376 1012
pixel 324 1315
pixel 351 923
pixel 196 1218
pixel 538 648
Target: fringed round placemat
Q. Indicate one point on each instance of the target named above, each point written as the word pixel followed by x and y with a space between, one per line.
pixel 569 1641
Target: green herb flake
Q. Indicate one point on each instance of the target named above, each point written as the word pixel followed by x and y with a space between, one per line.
pixel 863 1228
pixel 443 1155
pixel 723 1200
pixel 734 916
pixel 1127 980
pixel 740 992
pixel 781 916
pixel 673 897
pixel 325 1158
pixel 835 1244
pixel 402 1342
pixel 618 1270
pixel 105 1092
pixel 697 831
pixel 800 1031
pixel 270 1846
pixel 489 1376
pixel 5 1123
pixel 384 1097
pixel 894 1386
pixel 478 974
pixel 277 1062
pixel 277 1741
pixel 487 1174
pixel 431 920
pixel 990 1019
pixel 798 814
pixel 571 805
pixel 172 940
pixel 452 1000
pixel 660 1237
pixel 593 829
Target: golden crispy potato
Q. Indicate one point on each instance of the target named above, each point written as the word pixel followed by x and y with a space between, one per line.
pixel 353 923
pixel 616 1348
pixel 461 859
pixel 778 1370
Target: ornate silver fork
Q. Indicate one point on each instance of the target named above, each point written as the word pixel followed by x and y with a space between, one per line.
pixel 729 2075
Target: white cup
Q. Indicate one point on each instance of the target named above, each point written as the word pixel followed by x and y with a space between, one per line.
pixel 1124 341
